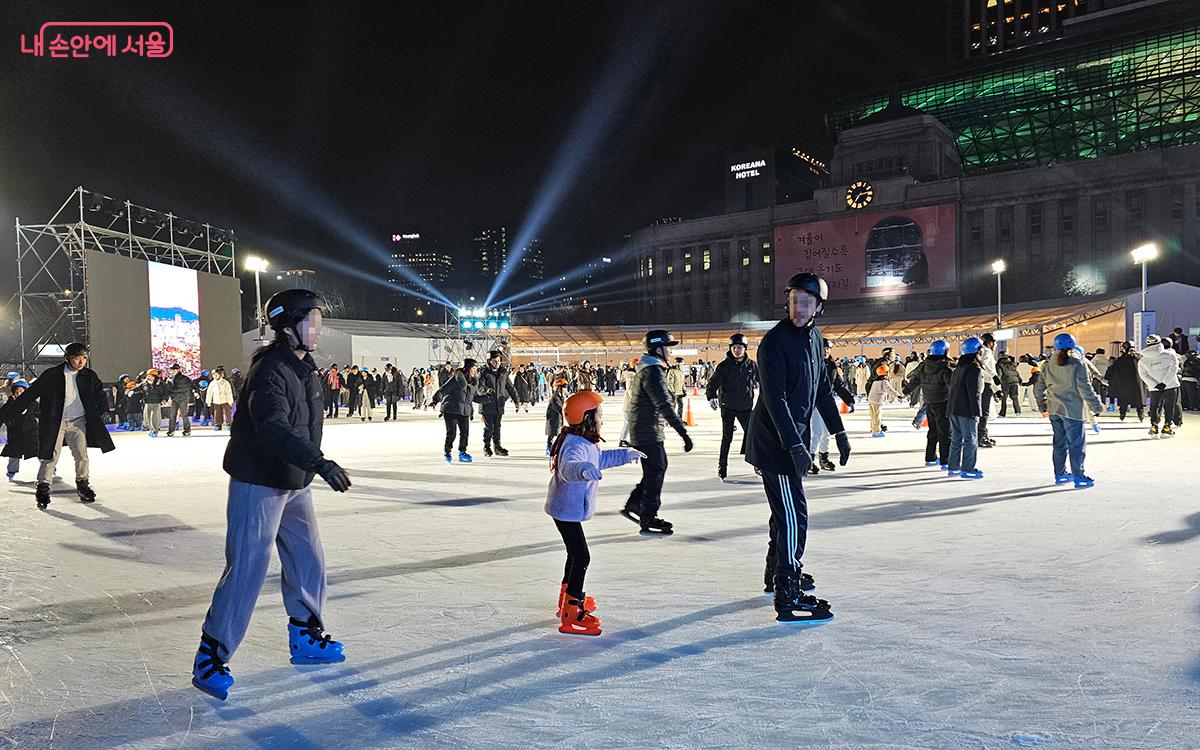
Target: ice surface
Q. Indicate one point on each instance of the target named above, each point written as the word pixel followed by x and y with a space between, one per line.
pixel 1000 613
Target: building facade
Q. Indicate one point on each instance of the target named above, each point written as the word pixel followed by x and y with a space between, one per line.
pixel 424 257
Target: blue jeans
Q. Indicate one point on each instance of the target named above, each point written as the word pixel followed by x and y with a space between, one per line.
pixel 1068 440
pixel 964 443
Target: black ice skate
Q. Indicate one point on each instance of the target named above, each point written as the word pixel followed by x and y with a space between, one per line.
pixel 792 605
pixel 501 451
pixel 632 514
pixel 658 526
pixel 42 494
pixel 825 463
pixel 86 493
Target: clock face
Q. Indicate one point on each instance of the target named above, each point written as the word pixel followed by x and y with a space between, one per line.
pixel 859 194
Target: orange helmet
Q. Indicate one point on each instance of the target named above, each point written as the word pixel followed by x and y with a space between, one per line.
pixel 881 371
pixel 152 371
pixel 579 405
pixel 560 382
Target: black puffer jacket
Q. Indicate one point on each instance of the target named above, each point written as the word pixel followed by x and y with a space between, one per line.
pixel 22 430
pixel 458 394
pixel 650 404
pixel 734 382
pixel 966 388
pixel 276 433
pixel 181 387
pixel 932 376
pixel 494 390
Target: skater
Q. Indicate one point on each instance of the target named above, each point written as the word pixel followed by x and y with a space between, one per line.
pixel 818 443
pixel 391 391
pixel 577 464
pixel 991 381
pixel 627 373
pixel 353 383
pixel 71 409
pixel 417 386
pixel 459 396
pixel 22 427
pixel 932 377
pixel 220 399
pixel 880 393
pixel 650 405
pixel 154 393
pixel 964 405
pixel 180 390
pixel 366 395
pixel 795 385
pixel 676 386
pixel 1189 381
pixel 1159 370
pixel 274 451
pixel 1010 382
pixel 554 412
pixel 1124 383
pixel 333 392
pixel 1064 392
pixel 494 391
pixel 731 390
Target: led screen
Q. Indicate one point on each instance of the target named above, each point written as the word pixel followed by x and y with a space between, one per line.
pixel 174 318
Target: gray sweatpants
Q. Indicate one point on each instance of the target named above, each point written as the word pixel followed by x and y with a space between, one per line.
pixel 75 435
pixel 258 517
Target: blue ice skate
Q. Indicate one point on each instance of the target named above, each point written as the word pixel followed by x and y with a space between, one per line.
pixel 879 434
pixel 464 457
pixel 1064 478
pixel 209 672
pixel 932 463
pixel 10 475
pixel 310 644
pixel 1083 482
pixel 972 474
pixel 1096 428
pixel 952 472
pixel 449 460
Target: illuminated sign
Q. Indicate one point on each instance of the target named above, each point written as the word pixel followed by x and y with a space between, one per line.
pixel 747 169
pixel 399 237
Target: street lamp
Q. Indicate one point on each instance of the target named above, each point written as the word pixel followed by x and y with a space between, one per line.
pixel 258 265
pixel 998 268
pixel 1144 254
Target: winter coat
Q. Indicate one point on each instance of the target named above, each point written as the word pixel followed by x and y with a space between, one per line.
pixel 554 414
pixel 1159 365
pixel 443 375
pixel 861 376
pixel 523 390
pixel 650 403
pixel 458 395
pixel 794 384
pixel 333 382
pixel 840 389
pixel 494 390
pixel 734 382
pixel 1123 382
pixel 219 392
pixel 1006 368
pixel 675 381
pixel 50 391
pixel 587 380
pixel 882 392
pixel 180 387
pixel 987 365
pixel 275 438
pixel 932 376
pixel 154 393
pixel 391 384
pixel 1191 367
pixel 1066 390
pixel 966 388
pixel 571 497
pixel 22 430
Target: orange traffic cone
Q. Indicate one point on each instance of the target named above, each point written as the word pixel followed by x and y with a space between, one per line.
pixel 845 408
pixel 695 389
pixel 687 414
pixel 925 422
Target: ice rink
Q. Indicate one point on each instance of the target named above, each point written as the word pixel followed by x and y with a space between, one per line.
pixel 997 613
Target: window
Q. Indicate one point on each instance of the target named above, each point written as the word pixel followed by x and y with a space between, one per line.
pixel 1100 213
pixel 766 259
pixel 1004 218
pixel 745 260
pixel 1135 205
pixel 670 269
pixel 975 222
pixel 687 261
pixel 1176 203
pixel 1066 215
pixel 1035 220
pixel 707 259
pixel 649 266
pixel 687 267
pixel 766 245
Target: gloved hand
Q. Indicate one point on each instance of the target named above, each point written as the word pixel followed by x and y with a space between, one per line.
pixel 843 444
pixel 714 403
pixel 1160 386
pixel 687 442
pixel 593 474
pixel 333 474
pixel 996 380
pixel 632 455
pixel 801 459
pixel 849 406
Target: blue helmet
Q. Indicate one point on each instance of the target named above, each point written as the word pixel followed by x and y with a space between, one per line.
pixel 939 348
pixel 12 375
pixel 1079 350
pixel 972 345
pixel 1064 341
pixel 203 383
pixel 19 383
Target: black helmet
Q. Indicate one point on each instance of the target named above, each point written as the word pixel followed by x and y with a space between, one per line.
pixel 659 337
pixel 739 339
pixel 287 308
pixel 811 283
pixel 74 349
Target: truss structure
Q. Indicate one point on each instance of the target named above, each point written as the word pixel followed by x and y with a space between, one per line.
pixel 451 342
pixel 1066 102
pixel 52 290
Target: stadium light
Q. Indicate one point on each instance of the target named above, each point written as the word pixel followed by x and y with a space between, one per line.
pixel 258 266
pixel 1143 254
pixel 998 268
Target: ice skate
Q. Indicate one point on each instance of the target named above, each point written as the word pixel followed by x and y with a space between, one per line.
pixel 209 672
pixel 1168 431
pixel 721 473
pixel 577 619
pixel 487 451
pixel 1083 482
pixel 86 493
pixel 632 513
pixel 825 463
pixel 932 463
pixel 656 525
pixel 501 451
pixel 1064 478
pixel 972 474
pixel 449 459
pixel 953 472
pixel 42 495
pixel 791 605
pixel 588 602
pixel 10 475
pixel 814 470
pixel 1154 431
pixel 464 457
pixel 310 644
pixel 879 434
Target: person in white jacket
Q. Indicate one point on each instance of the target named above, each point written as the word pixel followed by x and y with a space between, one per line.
pixel 219 398
pixel 1159 370
pixel 991 381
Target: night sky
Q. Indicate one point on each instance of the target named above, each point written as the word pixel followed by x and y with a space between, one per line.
pixel 322 131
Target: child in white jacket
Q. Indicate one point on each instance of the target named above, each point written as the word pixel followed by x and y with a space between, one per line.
pixel 571 500
pixel 882 392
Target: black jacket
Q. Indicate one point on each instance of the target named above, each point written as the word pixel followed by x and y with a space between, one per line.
pixel 650 404
pixel 392 387
pixel 932 376
pixel 276 434
pixel 50 391
pixel 1123 382
pixel 837 382
pixel 22 430
pixel 966 388
pixel 443 375
pixel 494 389
pixel 458 394
pixel 795 382
pixel 554 414
pixel 156 392
pixel 734 381
pixel 180 387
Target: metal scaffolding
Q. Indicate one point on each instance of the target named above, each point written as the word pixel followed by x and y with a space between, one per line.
pixel 453 343
pixel 52 290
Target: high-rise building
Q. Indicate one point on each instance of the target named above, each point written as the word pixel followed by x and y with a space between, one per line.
pixel 424 257
pixel 491 250
pixel 770 177
pixel 533 263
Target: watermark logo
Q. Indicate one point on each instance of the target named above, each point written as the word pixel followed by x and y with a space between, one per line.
pixel 67 40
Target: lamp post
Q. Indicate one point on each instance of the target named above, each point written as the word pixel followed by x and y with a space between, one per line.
pixel 998 268
pixel 258 266
pixel 1143 254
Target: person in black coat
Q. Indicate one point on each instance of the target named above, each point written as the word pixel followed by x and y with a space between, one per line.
pixel 459 395
pixel 494 390
pixel 392 381
pixel 181 399
pixel 731 389
pixel 795 385
pixel 273 453
pixel 1125 385
pixel 22 429
pixel 931 379
pixel 71 409
pixel 965 407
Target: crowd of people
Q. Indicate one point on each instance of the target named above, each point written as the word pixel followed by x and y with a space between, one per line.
pixel 785 403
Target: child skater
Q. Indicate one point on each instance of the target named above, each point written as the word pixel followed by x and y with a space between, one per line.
pixel 554 412
pixel 22 429
pixel 571 500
